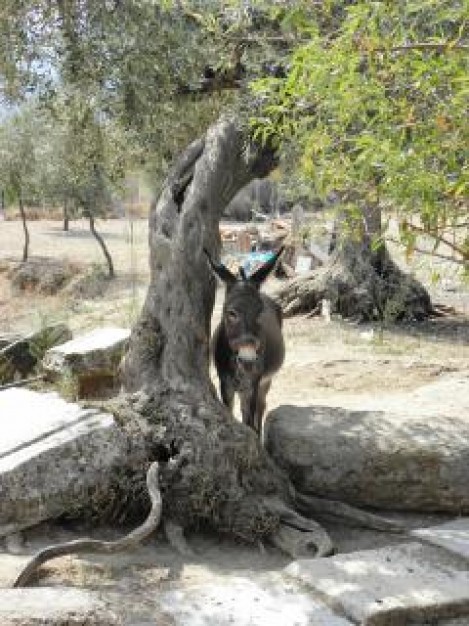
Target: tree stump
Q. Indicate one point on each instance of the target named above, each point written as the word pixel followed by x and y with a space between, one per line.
pixel 360 280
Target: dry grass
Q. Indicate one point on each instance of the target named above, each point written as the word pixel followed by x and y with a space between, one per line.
pixel 127 242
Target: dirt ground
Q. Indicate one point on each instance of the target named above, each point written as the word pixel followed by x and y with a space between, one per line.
pixel 325 362
pixel 322 359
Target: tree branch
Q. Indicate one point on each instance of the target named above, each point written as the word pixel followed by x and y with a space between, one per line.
pixel 430 252
pixel 440 238
pixel 430 45
pixel 78 546
pixel 285 39
pixel 252 39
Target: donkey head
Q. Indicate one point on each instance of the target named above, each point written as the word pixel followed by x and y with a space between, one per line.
pixel 242 308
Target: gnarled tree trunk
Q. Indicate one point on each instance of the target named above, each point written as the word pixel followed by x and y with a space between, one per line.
pixel 360 279
pixel 218 473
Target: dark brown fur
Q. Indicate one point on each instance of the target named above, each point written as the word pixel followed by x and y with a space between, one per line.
pixel 251 323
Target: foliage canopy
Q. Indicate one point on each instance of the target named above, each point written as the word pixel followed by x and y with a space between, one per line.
pixel 375 103
pixel 370 96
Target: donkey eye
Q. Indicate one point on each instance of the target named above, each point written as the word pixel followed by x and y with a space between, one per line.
pixel 232 315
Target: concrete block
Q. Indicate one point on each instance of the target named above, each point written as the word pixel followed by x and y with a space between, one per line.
pixel 404 584
pixel 453 536
pixel 98 350
pixel 92 359
pixel 51 453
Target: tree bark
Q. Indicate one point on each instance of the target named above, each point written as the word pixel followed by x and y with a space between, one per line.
pixel 360 280
pixel 216 473
pixel 66 216
pixel 102 244
pixel 25 227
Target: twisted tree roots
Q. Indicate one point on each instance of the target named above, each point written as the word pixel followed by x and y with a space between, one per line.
pixel 79 546
pixel 296 535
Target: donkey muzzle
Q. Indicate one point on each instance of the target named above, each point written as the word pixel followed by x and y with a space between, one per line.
pixel 247 353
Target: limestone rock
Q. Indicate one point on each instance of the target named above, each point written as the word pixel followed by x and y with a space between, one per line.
pixel 243 601
pixel 453 536
pixel 51 453
pixel 42 274
pixel 7 338
pixel 404 584
pixel 92 359
pixel 21 354
pixel 406 451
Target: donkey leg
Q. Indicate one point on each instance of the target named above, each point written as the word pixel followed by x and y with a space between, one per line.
pixel 227 392
pixel 249 399
pixel 264 387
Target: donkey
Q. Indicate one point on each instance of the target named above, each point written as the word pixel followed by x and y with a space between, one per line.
pixel 247 346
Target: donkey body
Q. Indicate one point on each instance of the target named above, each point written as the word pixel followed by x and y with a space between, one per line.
pixel 247 345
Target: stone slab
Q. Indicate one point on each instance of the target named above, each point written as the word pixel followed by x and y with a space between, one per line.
pixel 407 451
pixel 51 452
pixel 54 607
pixel 21 354
pixel 393 586
pixel 28 416
pixel 453 536
pixel 97 351
pixel 273 601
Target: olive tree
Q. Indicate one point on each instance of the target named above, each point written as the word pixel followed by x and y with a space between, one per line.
pixel 20 135
pixel 374 106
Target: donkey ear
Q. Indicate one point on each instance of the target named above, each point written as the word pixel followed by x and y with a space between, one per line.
pixel 261 274
pixel 221 270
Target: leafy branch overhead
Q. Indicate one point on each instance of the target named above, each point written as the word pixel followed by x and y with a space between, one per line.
pixel 375 101
pixel 370 98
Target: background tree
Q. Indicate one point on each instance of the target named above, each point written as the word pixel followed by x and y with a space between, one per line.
pixel 20 136
pixel 110 85
pixel 93 161
pixel 373 105
pixel 127 58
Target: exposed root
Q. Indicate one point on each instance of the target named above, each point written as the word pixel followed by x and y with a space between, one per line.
pixel 297 535
pixel 14 543
pixel 297 543
pixel 175 536
pixel 312 504
pixel 94 545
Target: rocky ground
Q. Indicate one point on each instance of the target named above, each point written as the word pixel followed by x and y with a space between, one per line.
pixel 224 582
